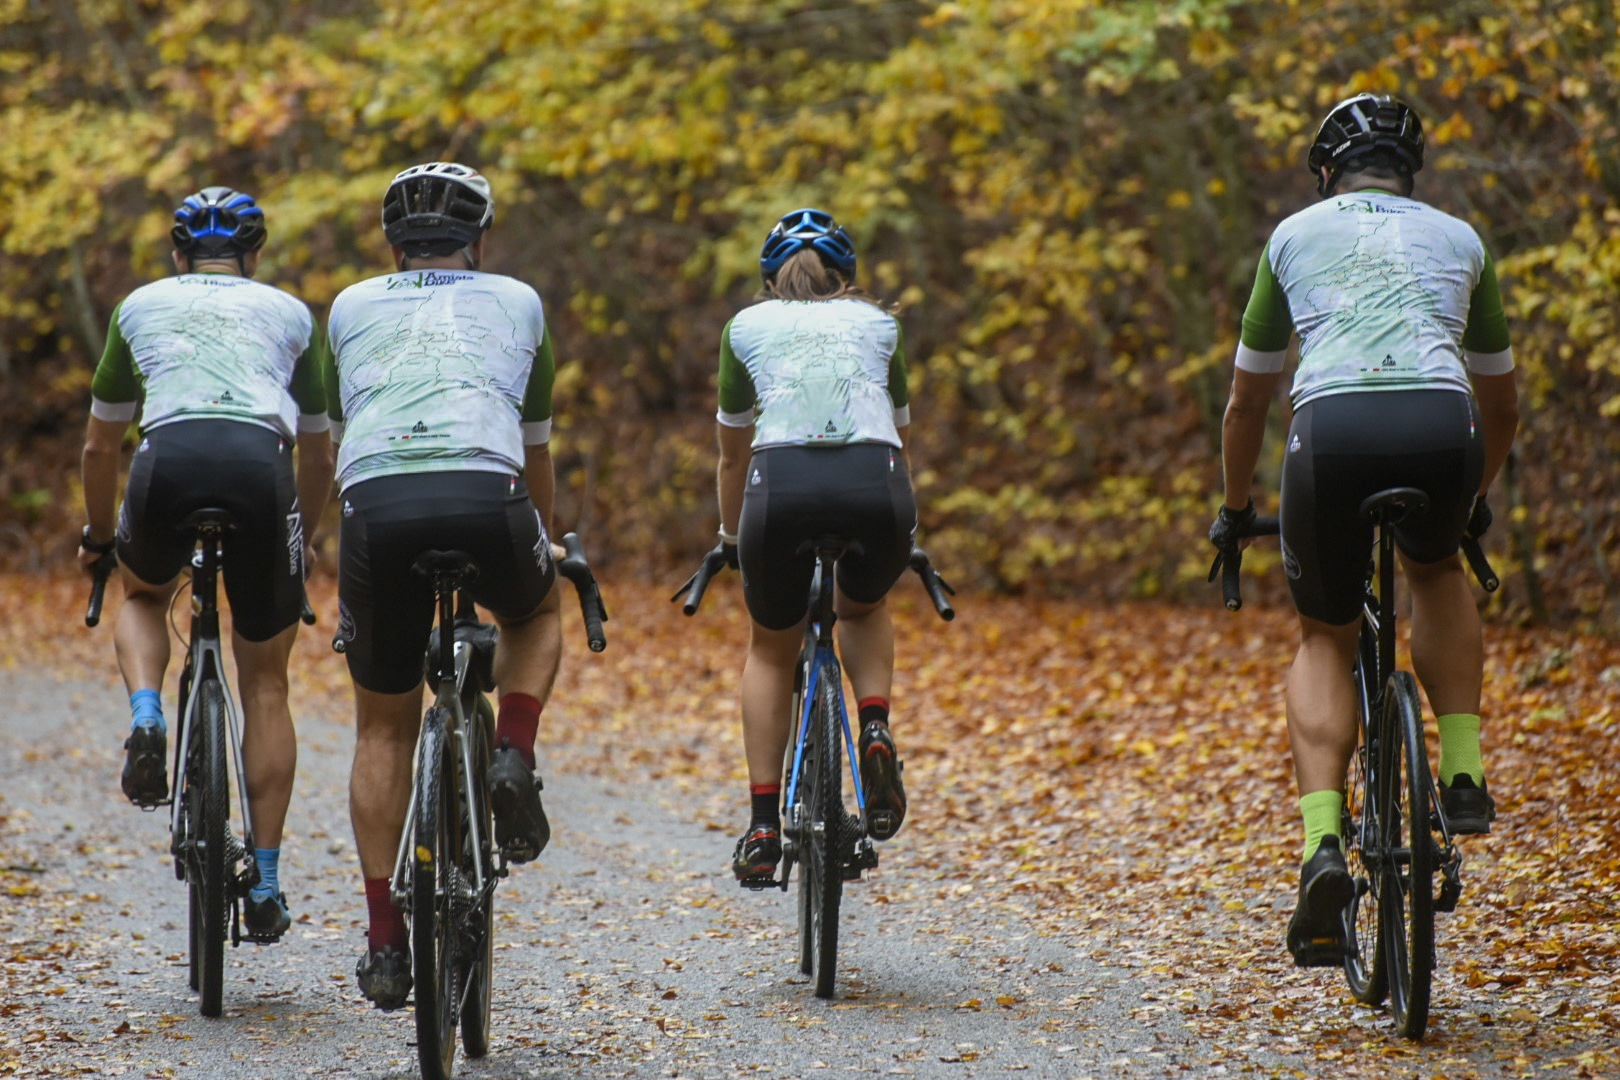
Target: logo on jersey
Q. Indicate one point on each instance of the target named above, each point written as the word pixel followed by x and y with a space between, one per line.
pixel 831 428
pixel 1389 361
pixel 425 279
pixel 419 430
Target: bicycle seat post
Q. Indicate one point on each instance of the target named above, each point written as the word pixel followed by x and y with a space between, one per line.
pixel 1384 510
pixel 209 525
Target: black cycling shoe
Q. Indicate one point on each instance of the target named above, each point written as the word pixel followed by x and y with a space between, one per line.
pixel 384 977
pixel 266 920
pixel 521 828
pixel 146 771
pixel 758 852
pixel 1316 934
pixel 880 780
pixel 1468 807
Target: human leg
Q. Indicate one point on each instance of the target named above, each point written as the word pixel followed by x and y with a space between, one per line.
pixel 767 697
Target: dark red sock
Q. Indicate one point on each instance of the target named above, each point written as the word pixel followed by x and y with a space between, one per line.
pixel 767 800
pixel 387 921
pixel 518 722
pixel 873 708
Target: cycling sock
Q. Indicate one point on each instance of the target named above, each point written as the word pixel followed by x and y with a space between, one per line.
pixel 387 921
pixel 518 722
pixel 1459 748
pixel 146 707
pixel 767 800
pixel 1321 810
pixel 269 860
pixel 873 708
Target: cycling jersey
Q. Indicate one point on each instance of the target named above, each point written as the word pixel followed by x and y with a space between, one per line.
pixel 814 372
pixel 1387 293
pixel 438 371
pixel 212 346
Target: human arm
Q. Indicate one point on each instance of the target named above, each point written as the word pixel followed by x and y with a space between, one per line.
pixel 731 475
pixel 1498 399
pixel 114 390
pixel 1489 356
pixel 900 395
pixel 1257 370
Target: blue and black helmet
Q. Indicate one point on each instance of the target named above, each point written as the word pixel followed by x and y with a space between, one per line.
pixel 218 222
pixel 813 229
pixel 1361 125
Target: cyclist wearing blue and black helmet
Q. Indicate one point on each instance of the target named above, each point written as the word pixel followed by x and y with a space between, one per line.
pixel 1405 379
pixel 813 417
pixel 225 374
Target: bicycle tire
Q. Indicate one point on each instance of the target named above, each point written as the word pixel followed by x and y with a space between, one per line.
pixel 1409 909
pixel 799 813
pixel 1364 965
pixel 478 953
pixel 433 952
pixel 211 804
pixel 828 835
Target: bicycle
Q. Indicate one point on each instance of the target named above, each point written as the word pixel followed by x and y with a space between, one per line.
pixel 830 844
pixel 213 859
pixel 447 867
pixel 1392 810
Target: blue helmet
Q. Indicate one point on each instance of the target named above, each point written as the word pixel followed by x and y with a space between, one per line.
pixel 218 222
pixel 808 228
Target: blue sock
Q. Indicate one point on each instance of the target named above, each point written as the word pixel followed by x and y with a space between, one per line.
pixel 269 860
pixel 147 707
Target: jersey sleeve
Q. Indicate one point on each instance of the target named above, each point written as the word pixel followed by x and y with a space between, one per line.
pixel 116 387
pixel 536 414
pixel 1485 339
pixel 737 395
pixel 1267 322
pixel 329 382
pixel 309 384
pixel 899 390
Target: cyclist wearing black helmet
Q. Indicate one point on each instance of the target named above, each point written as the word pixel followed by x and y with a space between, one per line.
pixel 441 402
pixel 226 375
pixel 812 423
pixel 1405 379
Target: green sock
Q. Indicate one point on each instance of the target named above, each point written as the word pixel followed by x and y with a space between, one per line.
pixel 1459 748
pixel 1322 811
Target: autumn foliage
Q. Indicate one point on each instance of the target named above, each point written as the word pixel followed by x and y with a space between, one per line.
pixel 1068 197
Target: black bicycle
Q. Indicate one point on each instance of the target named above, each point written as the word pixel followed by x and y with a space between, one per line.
pixel 448 864
pixel 1397 838
pixel 212 857
pixel 830 844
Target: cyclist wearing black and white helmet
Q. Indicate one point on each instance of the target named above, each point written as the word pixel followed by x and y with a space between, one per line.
pixel 1405 379
pixel 225 373
pixel 440 390
pixel 814 411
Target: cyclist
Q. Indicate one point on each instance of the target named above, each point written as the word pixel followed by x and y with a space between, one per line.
pixel 441 403
pixel 1405 378
pixel 813 417
pixel 226 375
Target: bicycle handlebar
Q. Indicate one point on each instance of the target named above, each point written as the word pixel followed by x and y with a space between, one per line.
pixel 1479 564
pixel 933 584
pixel 576 569
pixel 100 571
pixel 715 561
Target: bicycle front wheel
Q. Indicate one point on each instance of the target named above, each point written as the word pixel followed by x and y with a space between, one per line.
pixel 208 804
pixel 1408 910
pixel 478 944
pixel 821 887
pixel 433 876
pixel 1364 966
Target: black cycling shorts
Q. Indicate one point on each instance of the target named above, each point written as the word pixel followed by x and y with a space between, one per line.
pixel 385 608
pixel 794 494
pixel 1345 447
pixel 242 468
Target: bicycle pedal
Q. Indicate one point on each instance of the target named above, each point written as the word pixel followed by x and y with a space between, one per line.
pixel 760 884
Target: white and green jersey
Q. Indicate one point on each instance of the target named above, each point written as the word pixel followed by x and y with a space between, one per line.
pixel 436 371
pixel 1387 293
pixel 212 346
pixel 814 372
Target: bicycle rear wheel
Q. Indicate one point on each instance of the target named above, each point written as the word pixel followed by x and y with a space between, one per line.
pixel 432 886
pixel 1408 908
pixel 821 888
pixel 1364 965
pixel 208 804
pixel 478 940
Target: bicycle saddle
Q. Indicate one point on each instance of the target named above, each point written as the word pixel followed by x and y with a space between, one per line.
pixel 1394 505
pixel 456 564
pixel 209 517
pixel 838 546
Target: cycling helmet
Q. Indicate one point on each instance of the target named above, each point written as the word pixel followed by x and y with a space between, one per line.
pixel 218 222
pixel 437 208
pixel 1361 125
pixel 813 229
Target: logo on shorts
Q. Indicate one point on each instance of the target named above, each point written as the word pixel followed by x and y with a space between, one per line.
pixel 542 546
pixel 345 628
pixel 146 444
pixel 348 508
pixel 1290 562
pixel 1294 445
pixel 755 478
pixel 122 534
pixel 295 543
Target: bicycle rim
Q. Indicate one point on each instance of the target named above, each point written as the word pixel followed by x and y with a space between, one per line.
pixel 1364 967
pixel 212 804
pixel 828 838
pixel 1409 910
pixel 432 949
pixel 479 936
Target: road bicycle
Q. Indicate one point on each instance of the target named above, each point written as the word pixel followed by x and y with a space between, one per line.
pixel 212 857
pixel 819 834
pixel 448 864
pixel 1399 845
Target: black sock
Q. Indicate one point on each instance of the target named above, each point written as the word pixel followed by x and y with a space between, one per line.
pixel 874 709
pixel 767 802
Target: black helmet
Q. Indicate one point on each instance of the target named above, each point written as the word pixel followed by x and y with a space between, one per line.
pixel 218 222
pixel 1361 125
pixel 437 208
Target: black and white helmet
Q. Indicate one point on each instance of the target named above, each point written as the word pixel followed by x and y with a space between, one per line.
pixel 1362 125
pixel 437 208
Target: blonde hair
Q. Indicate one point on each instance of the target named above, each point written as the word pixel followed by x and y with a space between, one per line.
pixel 805 277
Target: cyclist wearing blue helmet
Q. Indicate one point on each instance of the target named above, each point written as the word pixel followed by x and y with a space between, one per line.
pixel 813 417
pixel 225 373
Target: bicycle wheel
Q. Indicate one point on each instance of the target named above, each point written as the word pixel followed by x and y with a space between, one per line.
pixel 1408 908
pixel 827 836
pixel 432 886
pixel 795 831
pixel 208 802
pixel 478 944
pixel 1364 966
